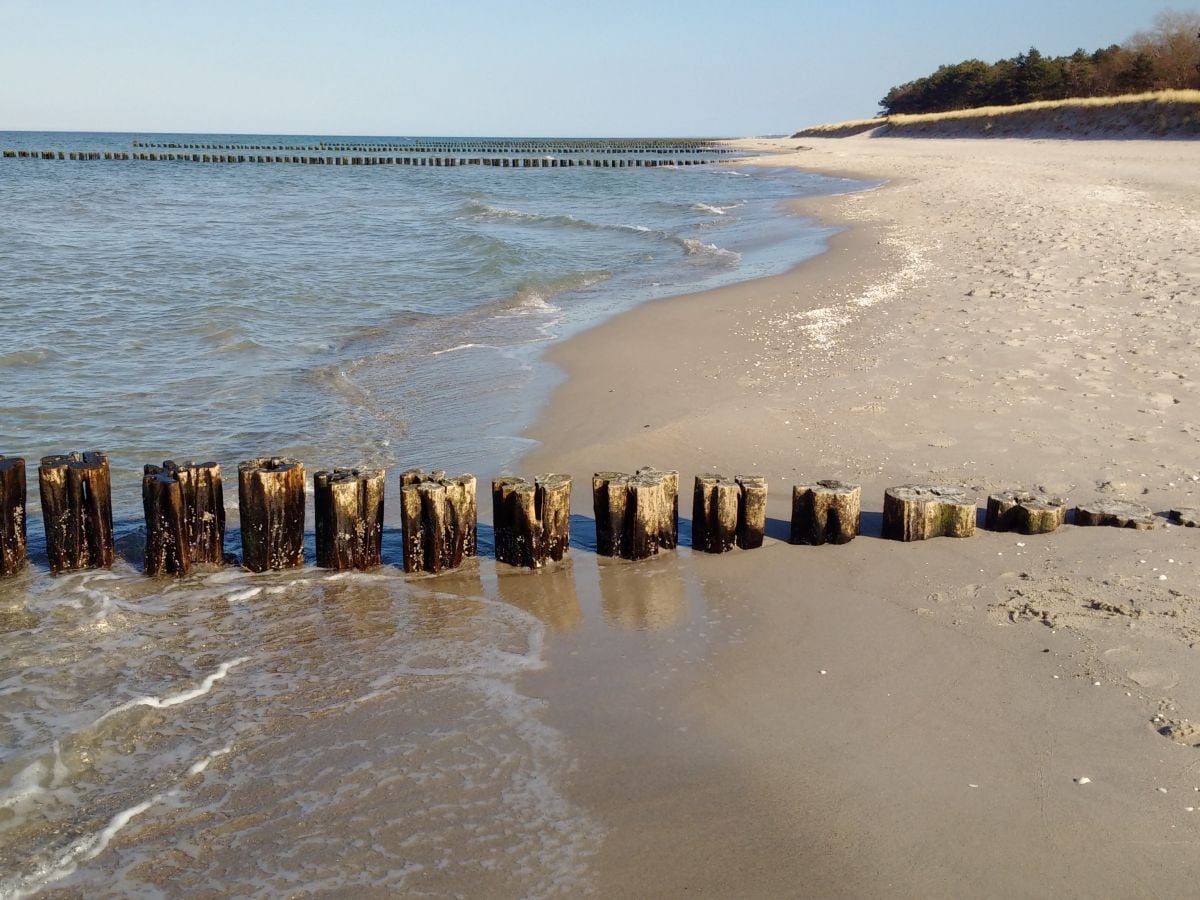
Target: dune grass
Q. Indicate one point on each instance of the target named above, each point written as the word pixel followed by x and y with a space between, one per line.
pixel 848 124
pixel 1135 103
pixel 1071 103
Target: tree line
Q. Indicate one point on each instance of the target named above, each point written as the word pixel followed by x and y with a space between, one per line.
pixel 1165 57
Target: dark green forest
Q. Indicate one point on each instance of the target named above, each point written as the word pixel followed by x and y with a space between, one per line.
pixel 1163 58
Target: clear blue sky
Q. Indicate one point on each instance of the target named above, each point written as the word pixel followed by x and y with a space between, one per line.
pixel 505 67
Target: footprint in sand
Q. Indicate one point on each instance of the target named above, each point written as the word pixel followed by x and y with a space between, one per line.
pixel 1156 679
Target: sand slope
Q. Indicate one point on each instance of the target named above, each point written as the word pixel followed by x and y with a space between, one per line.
pixel 882 719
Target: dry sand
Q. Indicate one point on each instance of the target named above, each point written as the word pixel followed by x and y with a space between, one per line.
pixel 886 719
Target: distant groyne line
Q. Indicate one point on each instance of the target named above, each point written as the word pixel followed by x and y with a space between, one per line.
pixel 505 162
pixel 493 147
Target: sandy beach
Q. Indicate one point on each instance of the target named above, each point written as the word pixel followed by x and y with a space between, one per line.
pixel 994 716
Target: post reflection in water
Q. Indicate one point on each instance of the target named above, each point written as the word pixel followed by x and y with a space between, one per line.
pixel 357 607
pixel 444 606
pixel 644 596
pixel 547 593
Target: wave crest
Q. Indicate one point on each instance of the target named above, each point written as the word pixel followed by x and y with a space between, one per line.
pixel 690 246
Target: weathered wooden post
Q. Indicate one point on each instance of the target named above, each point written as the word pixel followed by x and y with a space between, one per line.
pixel 752 510
pixel 636 515
pixel 532 521
pixel 76 497
pixel 12 515
pixel 827 512
pixel 728 512
pixel 185 516
pixel 917 512
pixel 166 535
pixel 554 506
pixel 608 503
pixel 271 506
pixel 1115 514
pixel 349 518
pixel 439 519
pixel 714 513
pixel 1026 512
pixel 646 507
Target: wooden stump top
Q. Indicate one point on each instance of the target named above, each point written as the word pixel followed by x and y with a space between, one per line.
pixel 1031 499
pixel 552 482
pixel 1115 514
pixel 931 493
pixel 269 464
pixel 90 459
pixel 342 476
pixel 828 486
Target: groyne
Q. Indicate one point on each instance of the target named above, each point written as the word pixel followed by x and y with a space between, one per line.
pixel 495 147
pixel 308 159
pixel 636 515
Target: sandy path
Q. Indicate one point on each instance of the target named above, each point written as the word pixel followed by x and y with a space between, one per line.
pixel 1002 314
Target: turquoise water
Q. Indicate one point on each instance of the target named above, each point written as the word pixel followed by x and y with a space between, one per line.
pixel 305 730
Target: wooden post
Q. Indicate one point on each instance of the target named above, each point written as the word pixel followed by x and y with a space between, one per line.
pixel 728 512
pixel 203 497
pixel 636 515
pixel 752 510
pixel 76 497
pixel 554 508
pixel 515 521
pixel 532 521
pixel 714 513
pixel 825 512
pixel 645 515
pixel 1116 514
pixel 439 519
pixel 349 518
pixel 1025 512
pixel 12 515
pixel 668 484
pixel 271 506
pixel 166 534
pixel 608 502
pixel 916 512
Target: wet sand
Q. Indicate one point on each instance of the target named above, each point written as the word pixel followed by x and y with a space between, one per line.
pixel 883 719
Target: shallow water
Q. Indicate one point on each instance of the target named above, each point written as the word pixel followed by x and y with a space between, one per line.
pixel 304 730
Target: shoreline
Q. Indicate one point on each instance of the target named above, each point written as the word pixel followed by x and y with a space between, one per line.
pixel 888 718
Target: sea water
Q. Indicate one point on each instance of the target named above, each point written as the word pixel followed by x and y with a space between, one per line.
pixel 308 730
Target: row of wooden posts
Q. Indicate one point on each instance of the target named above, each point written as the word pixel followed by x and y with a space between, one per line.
pixel 637 515
pixel 527 162
pixel 496 146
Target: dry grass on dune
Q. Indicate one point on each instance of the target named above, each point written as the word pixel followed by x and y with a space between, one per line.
pixel 1157 112
pixel 841 129
pixel 1126 100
